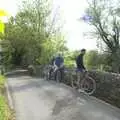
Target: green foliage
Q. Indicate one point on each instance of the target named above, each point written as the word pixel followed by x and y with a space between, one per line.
pixel 69 62
pixel 93 60
pixel 5 113
pixel 2 81
pixel 31 36
pixel 52 47
pixel 98 61
pixel 105 19
pixel 70 58
pixel 3 108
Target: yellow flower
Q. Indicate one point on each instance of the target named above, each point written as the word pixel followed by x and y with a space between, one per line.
pixel 3 13
pixel 2 27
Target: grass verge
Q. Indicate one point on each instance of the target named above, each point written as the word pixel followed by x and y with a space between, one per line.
pixel 5 112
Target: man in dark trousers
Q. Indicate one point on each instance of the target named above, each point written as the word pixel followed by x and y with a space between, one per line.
pixel 59 64
pixel 80 65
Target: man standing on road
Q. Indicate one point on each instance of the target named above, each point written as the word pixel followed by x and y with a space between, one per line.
pixel 79 61
pixel 59 65
pixel 80 65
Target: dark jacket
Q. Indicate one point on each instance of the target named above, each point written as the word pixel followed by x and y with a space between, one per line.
pixel 59 61
pixel 79 62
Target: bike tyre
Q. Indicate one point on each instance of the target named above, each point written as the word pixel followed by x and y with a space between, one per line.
pixel 90 82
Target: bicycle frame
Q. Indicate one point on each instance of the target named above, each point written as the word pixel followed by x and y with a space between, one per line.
pixel 84 83
pixel 79 73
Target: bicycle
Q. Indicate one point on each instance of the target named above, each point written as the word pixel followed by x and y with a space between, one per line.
pixel 46 72
pixel 54 73
pixel 87 84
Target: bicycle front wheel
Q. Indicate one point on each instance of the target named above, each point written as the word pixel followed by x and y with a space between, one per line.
pixel 88 85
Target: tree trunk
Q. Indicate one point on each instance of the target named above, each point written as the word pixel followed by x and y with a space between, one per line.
pixel 116 62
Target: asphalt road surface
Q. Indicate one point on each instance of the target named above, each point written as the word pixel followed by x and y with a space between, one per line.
pixel 37 99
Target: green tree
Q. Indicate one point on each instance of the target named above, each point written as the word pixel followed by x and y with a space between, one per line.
pixel 105 19
pixel 70 58
pixel 31 36
pixel 98 61
pixel 92 59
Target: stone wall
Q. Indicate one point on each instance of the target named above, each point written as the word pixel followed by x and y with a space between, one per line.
pixel 108 87
pixel 108 84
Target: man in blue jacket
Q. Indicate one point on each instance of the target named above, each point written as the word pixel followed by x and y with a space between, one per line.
pixel 59 61
pixel 59 65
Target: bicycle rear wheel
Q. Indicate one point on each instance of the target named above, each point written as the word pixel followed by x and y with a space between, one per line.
pixel 88 85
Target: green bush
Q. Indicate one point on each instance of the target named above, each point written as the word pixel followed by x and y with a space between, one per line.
pixel 5 113
pixel 2 82
pixel 69 64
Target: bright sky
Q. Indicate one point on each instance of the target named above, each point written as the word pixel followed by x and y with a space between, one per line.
pixel 71 11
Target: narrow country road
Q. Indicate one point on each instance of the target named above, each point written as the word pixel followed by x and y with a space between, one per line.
pixel 37 99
